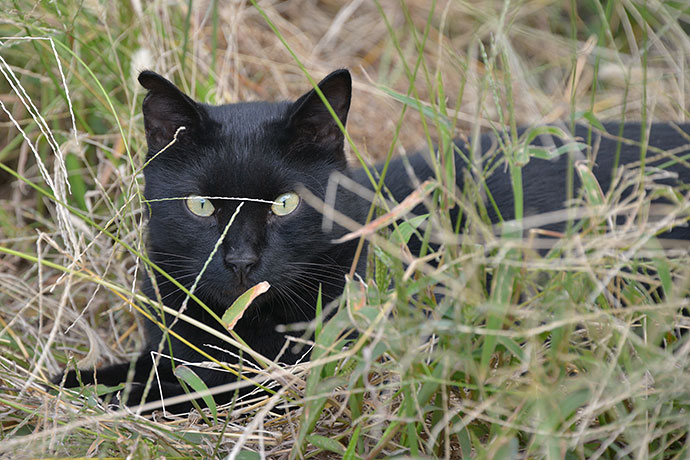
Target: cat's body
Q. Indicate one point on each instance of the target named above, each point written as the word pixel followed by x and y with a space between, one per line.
pixel 263 151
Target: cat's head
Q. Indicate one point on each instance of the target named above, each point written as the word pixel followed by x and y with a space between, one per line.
pixel 203 160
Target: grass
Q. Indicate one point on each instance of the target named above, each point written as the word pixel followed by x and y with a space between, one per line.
pixel 568 355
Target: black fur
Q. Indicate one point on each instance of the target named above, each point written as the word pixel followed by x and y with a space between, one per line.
pixel 261 150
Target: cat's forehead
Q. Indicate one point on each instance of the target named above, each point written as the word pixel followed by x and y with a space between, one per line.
pixel 245 155
pixel 251 176
pixel 246 119
pixel 233 169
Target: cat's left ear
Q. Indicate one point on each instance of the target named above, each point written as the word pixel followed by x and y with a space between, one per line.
pixel 166 108
pixel 311 121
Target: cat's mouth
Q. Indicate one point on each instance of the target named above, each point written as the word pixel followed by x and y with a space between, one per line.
pixel 231 291
pixel 236 288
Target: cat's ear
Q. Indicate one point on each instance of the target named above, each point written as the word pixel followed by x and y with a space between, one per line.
pixel 310 120
pixel 166 109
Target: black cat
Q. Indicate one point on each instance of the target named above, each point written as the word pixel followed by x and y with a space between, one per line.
pixel 266 152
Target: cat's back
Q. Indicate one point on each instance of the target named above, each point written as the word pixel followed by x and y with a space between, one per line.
pixel 544 182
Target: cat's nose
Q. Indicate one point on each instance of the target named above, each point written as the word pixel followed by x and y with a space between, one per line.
pixel 241 265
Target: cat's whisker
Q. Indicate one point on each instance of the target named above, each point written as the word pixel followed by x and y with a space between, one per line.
pixel 181 267
pixel 316 267
pixel 178 275
pixel 163 285
pixel 176 293
pixel 173 254
pixel 313 282
pixel 328 264
pixel 292 296
pixel 325 274
pixel 177 264
pixel 285 298
pixel 320 274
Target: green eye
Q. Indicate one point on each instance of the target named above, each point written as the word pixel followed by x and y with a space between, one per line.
pixel 285 204
pixel 199 206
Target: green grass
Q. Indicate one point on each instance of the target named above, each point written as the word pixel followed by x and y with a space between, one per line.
pixel 567 355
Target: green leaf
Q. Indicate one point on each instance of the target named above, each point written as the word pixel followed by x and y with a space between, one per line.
pixel 402 234
pixel 430 386
pixel 428 112
pixel 105 389
pixel 239 306
pixel 591 118
pixel 465 442
pixel 190 377
pixel 316 385
pixel 501 294
pixel 590 185
pixel 538 151
pixel 544 152
pixel 319 315
pixel 322 442
pixel 76 181
pixel 569 405
pixel 512 346
pixel 537 131
pixel 547 154
pixel 661 266
pixel 522 156
pixel 383 258
pixel 350 453
pixel 508 451
pixel 248 455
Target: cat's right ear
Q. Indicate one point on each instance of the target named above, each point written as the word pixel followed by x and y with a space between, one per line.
pixel 166 109
pixel 312 124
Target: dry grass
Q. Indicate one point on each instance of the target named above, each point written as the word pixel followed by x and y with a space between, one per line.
pixel 565 376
